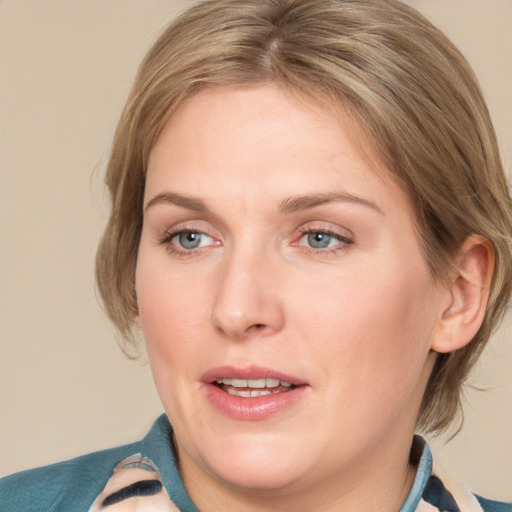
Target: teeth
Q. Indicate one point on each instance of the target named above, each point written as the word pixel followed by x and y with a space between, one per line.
pixel 254 383
pixel 271 383
pixel 246 394
pixel 260 393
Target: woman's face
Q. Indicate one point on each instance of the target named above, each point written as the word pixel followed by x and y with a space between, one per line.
pixel 286 305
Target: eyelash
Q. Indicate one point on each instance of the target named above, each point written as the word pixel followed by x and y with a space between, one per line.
pixel 168 236
pixel 344 242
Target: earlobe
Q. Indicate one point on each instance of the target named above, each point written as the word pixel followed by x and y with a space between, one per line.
pixel 469 294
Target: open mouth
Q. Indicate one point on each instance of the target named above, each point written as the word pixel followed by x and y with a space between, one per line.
pixel 252 393
pixel 252 388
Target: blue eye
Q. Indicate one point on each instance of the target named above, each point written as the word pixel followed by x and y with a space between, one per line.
pixel 319 240
pixel 323 241
pixel 191 240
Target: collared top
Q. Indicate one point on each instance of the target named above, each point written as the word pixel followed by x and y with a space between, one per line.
pixel 144 476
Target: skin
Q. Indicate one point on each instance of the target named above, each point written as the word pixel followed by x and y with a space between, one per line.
pixel 356 321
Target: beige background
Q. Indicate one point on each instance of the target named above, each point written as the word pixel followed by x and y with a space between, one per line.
pixel 65 388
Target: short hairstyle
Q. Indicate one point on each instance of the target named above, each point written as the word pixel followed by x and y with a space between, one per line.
pixel 410 90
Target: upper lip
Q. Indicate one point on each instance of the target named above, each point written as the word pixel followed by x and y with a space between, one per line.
pixel 249 372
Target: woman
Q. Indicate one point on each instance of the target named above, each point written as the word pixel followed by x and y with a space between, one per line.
pixel 311 227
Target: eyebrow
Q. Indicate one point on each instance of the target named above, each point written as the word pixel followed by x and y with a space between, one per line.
pixel 189 203
pixel 299 203
pixel 289 205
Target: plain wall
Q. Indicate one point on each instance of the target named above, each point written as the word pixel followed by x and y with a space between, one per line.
pixel 65 387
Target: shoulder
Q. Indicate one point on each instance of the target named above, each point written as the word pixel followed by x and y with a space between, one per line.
pixel 68 485
pixel 494 506
pixel 460 496
pixel 76 485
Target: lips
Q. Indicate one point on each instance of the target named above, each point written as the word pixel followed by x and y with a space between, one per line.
pixel 251 393
pixel 252 388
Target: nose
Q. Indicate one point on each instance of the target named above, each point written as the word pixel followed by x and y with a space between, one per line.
pixel 247 301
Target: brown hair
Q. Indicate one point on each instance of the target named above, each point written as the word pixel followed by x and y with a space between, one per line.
pixel 405 83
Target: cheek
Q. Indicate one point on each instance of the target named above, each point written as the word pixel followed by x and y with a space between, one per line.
pixel 170 320
pixel 170 306
pixel 170 317
pixel 373 331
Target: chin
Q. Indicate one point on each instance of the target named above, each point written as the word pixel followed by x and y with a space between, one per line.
pixel 257 463
pixel 254 478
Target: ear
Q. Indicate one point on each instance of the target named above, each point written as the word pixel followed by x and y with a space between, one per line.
pixel 468 296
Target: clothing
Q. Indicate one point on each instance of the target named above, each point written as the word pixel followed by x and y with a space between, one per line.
pixel 146 475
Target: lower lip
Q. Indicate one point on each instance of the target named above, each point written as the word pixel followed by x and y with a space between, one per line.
pixel 252 408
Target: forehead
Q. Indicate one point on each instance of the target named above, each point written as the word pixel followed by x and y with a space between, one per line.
pixel 266 139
